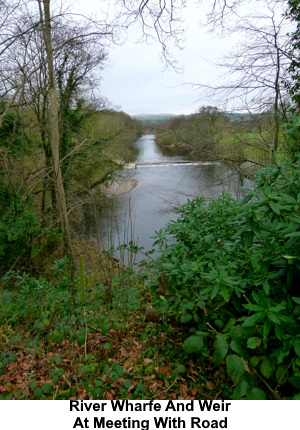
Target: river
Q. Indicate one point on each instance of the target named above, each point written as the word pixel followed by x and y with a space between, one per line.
pixel 163 183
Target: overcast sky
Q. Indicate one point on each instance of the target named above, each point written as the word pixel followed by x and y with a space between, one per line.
pixel 135 82
pixel 135 79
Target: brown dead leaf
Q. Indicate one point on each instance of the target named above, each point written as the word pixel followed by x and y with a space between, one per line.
pixel 148 360
pixel 109 395
pixel 184 390
pixel 81 393
pixel 209 385
pixel 126 364
pixel 194 391
pixel 165 370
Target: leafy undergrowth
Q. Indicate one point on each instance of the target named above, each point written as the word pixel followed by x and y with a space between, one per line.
pixel 132 369
pixel 103 350
pixel 233 275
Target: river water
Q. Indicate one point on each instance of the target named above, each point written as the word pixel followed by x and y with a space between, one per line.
pixel 164 182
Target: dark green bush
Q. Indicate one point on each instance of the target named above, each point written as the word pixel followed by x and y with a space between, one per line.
pixel 19 227
pixel 234 273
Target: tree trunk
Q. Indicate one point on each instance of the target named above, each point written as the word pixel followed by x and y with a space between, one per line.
pixel 54 136
pixel 276 104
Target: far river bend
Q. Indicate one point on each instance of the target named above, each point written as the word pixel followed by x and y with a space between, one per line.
pixel 163 183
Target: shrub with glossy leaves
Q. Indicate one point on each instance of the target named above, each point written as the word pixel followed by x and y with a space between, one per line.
pixel 234 273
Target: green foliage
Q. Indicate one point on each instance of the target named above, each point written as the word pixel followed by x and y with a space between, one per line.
pixel 19 228
pixel 108 139
pixel 193 344
pixel 293 80
pixel 212 134
pixel 234 271
pixel 11 135
pixel 292 148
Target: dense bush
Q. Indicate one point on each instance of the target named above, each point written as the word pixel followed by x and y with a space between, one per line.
pixel 234 276
pixel 19 227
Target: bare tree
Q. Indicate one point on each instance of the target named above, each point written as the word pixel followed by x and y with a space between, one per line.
pixel 159 20
pixel 45 19
pixel 255 71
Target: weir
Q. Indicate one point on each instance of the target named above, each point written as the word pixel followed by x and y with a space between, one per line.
pixel 163 184
pixel 170 164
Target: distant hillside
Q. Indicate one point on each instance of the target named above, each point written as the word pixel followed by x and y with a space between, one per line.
pixel 150 120
pixel 233 116
pixel 154 117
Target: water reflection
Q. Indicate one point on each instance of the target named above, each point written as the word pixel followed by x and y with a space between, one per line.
pixel 163 184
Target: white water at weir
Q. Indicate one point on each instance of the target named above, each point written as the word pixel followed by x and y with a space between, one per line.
pixel 170 163
pixel 163 183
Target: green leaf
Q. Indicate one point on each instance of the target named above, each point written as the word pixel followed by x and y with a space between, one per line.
pixel 182 368
pixel 221 349
pixel 118 369
pixel 297 348
pixel 229 324
pixel 253 342
pixel 249 239
pixel 257 394
pixel 107 346
pixel 266 288
pixel 288 199
pixel 141 387
pixel 278 308
pixel 47 388
pixel 55 379
pixel 295 381
pixel 274 318
pixel 215 291
pixel 267 328
pixel 106 370
pixel 104 328
pixel 281 374
pixel 60 372
pixel 185 317
pixel 266 367
pixel 251 321
pixel 241 390
pixel 174 374
pixel 235 367
pixel 127 383
pixel 38 393
pixel 12 357
pixel 81 339
pixel 193 344
pixel 254 308
pixel 58 359
pixel 34 384
pixel 278 331
pixel 293 234
pixel 275 207
pixel 226 293
pixel 254 361
pixel 237 347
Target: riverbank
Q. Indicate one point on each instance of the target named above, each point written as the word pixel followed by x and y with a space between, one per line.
pixel 117 187
pixel 211 135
